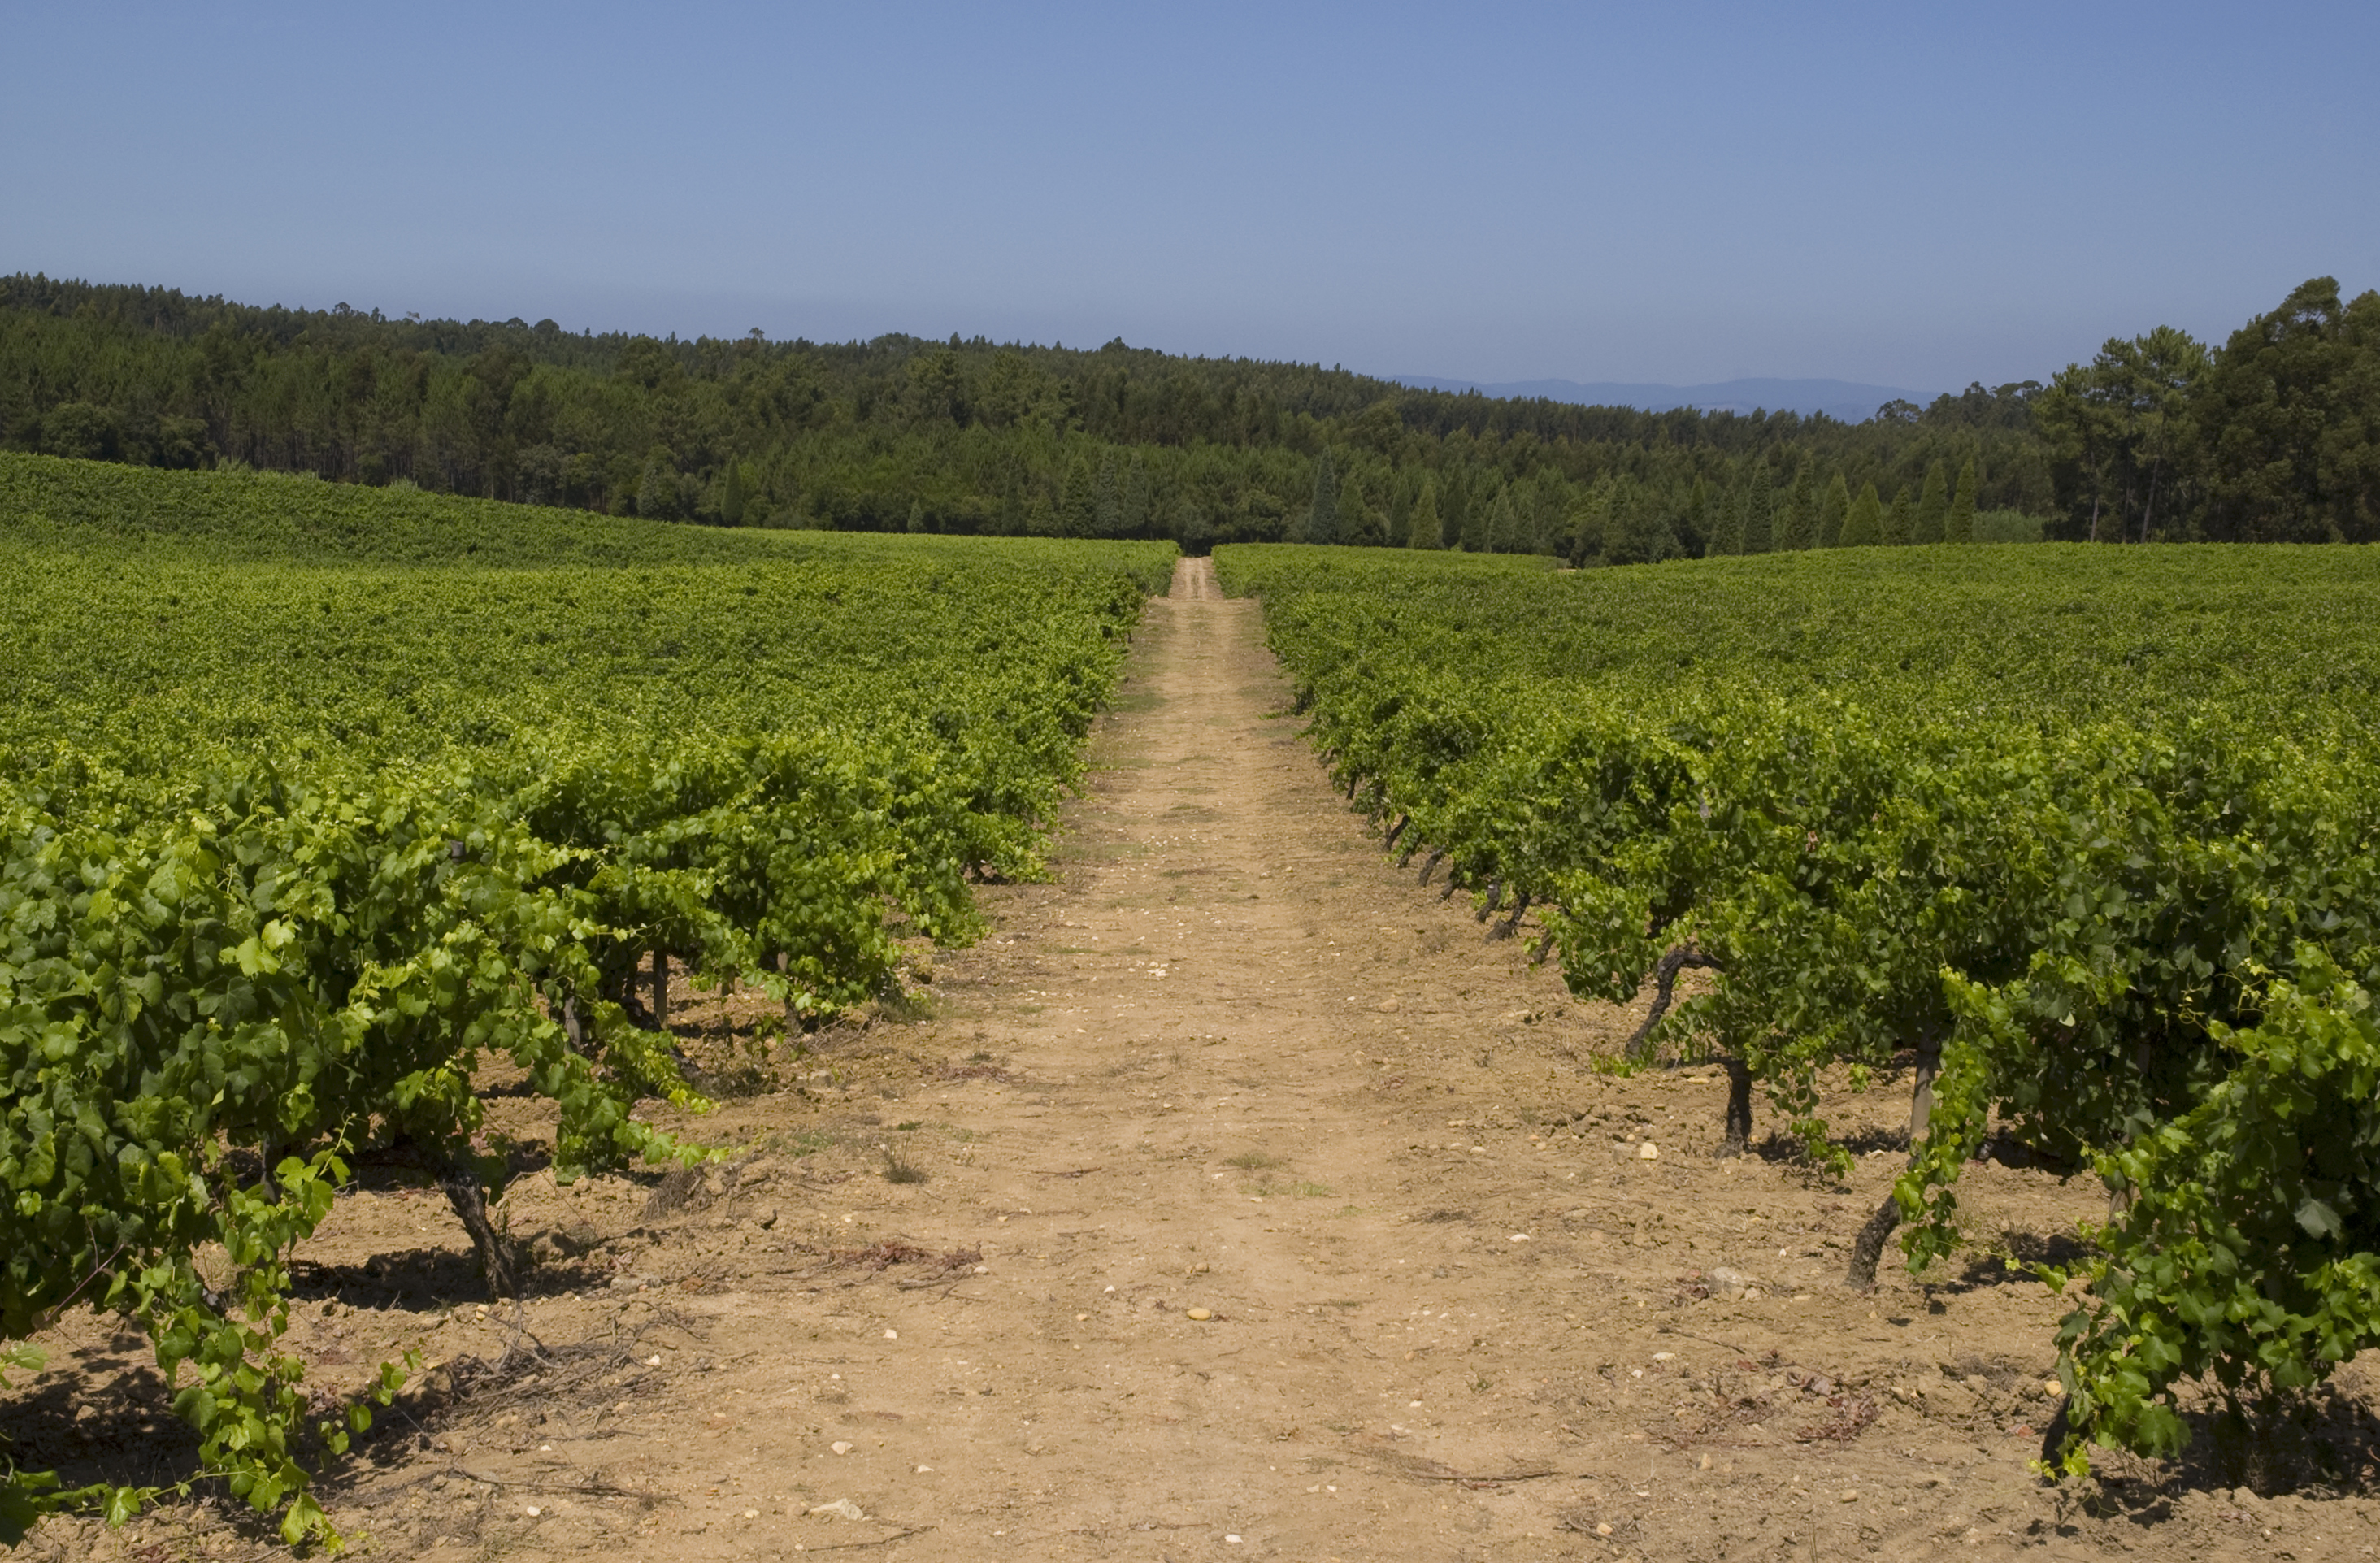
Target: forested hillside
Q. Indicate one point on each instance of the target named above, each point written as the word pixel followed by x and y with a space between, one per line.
pixel 2275 435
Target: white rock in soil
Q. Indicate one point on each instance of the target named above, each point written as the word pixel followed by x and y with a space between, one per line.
pixel 841 1507
pixel 1647 1151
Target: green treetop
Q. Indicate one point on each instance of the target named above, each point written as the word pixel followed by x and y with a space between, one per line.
pixel 1107 499
pixel 1504 523
pixel 1800 521
pixel 1933 507
pixel 1864 527
pixel 1422 526
pixel 1077 504
pixel 1135 498
pixel 1831 511
pixel 1322 514
pixel 1959 526
pixel 1699 517
pixel 1585 521
pixel 1759 507
pixel 1900 520
pixel 1726 524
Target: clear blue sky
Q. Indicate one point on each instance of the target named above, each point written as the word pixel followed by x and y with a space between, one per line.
pixel 1911 194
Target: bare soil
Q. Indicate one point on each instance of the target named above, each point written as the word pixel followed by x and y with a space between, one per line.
pixel 1237 1198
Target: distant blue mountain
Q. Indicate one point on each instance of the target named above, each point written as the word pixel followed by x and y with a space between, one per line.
pixel 1843 399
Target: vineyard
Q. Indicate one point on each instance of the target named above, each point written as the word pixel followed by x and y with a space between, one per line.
pixel 311 794
pixel 2087 838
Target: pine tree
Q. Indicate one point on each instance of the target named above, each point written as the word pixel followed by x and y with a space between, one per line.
pixel 1798 526
pixel 1759 507
pixel 1135 499
pixel 1107 500
pixel 1322 519
pixel 1471 529
pixel 1726 523
pixel 917 515
pixel 1454 505
pixel 1699 517
pixel 1424 525
pixel 1503 525
pixel 1864 527
pixel 1547 515
pixel 1959 526
pixel 1933 507
pixel 1040 521
pixel 736 497
pixel 1831 511
pixel 1078 506
pixel 1900 520
pixel 1400 514
pixel 1359 523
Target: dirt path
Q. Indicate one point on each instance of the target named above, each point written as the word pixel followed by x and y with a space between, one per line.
pixel 1269 1210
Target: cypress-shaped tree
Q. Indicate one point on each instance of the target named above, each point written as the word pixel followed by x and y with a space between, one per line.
pixel 1726 524
pixel 1359 523
pixel 1400 513
pixel 1933 507
pixel 735 496
pixel 1423 527
pixel 1078 514
pixel 1546 514
pixel 1831 511
pixel 1323 515
pixel 1135 499
pixel 1699 517
pixel 1040 520
pixel 1864 527
pixel 1800 529
pixel 1471 529
pixel 1107 499
pixel 1504 523
pixel 1959 526
pixel 1900 520
pixel 1454 504
pixel 1759 504
pixel 917 515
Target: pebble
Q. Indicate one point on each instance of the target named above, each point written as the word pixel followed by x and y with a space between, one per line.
pixel 1648 1151
pixel 534 1511
pixel 840 1447
pixel 891 1335
pixel 1200 1313
pixel 843 1507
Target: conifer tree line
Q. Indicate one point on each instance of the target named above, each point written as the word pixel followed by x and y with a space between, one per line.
pixel 2275 435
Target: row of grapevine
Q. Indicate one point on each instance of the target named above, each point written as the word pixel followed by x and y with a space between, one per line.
pixel 2098 834
pixel 291 835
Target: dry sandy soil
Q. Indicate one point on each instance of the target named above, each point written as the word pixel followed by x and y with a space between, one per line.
pixel 1237 1198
